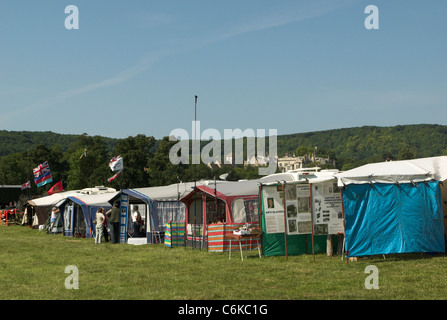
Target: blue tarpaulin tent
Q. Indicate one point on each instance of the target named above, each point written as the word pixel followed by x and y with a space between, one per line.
pixel 394 207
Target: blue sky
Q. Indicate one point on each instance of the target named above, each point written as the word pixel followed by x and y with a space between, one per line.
pixel 134 67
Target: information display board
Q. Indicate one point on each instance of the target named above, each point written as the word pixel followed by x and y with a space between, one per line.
pixel 305 203
pixel 298 209
pixel 273 208
pixel 327 208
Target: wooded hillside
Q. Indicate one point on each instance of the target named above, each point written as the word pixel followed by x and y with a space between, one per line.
pixel 147 159
pixel 356 146
pixel 17 141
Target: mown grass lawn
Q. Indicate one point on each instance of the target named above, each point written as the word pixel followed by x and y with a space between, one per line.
pixel 33 265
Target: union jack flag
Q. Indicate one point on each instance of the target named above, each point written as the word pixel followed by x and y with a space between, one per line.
pixel 41 169
pixel 26 185
pixel 42 174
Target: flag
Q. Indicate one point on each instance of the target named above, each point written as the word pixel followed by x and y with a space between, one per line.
pixel 116 164
pixel 56 188
pixel 42 174
pixel 26 185
pixel 116 175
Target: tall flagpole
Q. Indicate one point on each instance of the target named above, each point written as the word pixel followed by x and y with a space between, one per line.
pixel 195 172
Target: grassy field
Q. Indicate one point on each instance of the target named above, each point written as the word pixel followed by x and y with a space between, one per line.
pixel 33 263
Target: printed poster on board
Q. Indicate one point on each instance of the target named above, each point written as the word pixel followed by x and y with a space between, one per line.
pixel 273 208
pixel 298 209
pixel 327 208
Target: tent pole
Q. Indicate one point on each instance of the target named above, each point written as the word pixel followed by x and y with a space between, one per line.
pixel 195 170
pixel 176 213
pixel 215 203
pixel 312 222
pixel 195 220
pixel 187 213
pixel 344 230
pixel 260 212
pixel 285 217
pixel 260 206
pixel 205 220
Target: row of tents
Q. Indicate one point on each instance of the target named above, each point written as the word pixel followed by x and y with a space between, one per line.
pixel 379 208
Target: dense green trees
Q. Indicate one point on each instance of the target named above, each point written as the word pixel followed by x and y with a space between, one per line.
pixel 87 169
pixel 16 141
pixel 353 147
pixel 160 170
pixel 17 168
pixel 146 160
pixel 136 152
pixel 84 163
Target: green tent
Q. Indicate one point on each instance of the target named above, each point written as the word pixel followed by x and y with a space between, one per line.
pixel 301 208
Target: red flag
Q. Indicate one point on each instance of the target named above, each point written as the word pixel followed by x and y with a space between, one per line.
pixel 116 175
pixel 56 188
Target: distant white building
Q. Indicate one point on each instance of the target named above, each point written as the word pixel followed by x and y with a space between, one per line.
pixel 258 161
pixel 288 163
pixel 230 160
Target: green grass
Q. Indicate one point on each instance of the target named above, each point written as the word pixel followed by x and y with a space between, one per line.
pixel 32 266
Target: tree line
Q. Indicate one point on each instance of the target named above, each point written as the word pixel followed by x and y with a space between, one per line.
pixel 353 147
pixel 84 164
pixel 146 160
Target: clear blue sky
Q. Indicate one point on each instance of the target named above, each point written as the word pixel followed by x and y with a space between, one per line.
pixel 296 66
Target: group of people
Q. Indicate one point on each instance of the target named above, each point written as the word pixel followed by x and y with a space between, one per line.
pixel 113 217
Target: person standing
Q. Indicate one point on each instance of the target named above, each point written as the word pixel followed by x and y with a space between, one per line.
pixel 54 213
pixel 105 231
pixel 99 225
pixel 136 218
pixel 114 219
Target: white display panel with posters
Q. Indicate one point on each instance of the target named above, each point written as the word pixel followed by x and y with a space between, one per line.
pixel 298 209
pixel 327 208
pixel 273 208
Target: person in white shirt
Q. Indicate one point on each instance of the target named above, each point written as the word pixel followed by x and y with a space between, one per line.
pixel 99 225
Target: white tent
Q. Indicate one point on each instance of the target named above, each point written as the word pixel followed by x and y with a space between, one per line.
pixel 53 199
pixel 313 175
pixel 404 171
pixel 39 209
